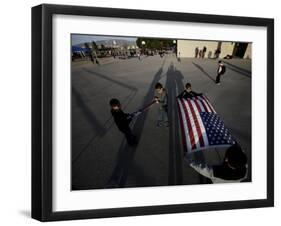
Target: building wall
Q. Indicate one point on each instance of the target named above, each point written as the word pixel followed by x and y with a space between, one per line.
pixel 248 53
pixel 187 47
pixel 226 49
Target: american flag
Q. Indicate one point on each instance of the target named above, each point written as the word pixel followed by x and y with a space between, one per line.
pixel 201 126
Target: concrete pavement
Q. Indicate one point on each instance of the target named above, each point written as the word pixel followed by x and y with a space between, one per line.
pixel 101 157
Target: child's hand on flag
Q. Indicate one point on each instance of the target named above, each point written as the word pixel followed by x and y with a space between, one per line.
pixel 156 99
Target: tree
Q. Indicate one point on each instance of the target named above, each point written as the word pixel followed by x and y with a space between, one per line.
pixel 153 43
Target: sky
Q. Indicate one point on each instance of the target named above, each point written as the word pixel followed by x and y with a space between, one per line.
pixel 77 38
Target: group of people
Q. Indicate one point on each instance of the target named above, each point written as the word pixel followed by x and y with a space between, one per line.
pixel 161 98
pixel 234 165
pixel 123 120
pixel 200 53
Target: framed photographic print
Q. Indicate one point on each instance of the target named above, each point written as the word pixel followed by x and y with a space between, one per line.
pixel 146 112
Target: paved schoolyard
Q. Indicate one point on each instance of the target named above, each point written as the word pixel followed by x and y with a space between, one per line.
pixel 100 155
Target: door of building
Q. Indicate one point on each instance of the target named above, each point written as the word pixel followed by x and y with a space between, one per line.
pixel 239 49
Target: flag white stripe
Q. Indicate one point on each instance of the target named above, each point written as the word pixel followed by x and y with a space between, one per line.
pixel 193 126
pixel 210 104
pixel 205 104
pixel 202 127
pixel 186 132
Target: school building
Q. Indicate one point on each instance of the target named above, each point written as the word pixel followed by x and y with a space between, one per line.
pixel 214 49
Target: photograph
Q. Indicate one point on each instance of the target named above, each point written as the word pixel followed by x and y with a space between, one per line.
pixel 156 111
pixel 142 112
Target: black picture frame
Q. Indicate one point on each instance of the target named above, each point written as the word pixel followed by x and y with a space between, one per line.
pixel 42 107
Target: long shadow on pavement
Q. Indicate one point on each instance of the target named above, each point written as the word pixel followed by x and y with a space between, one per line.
pixel 204 72
pixel 174 82
pixel 126 152
pixel 125 85
pixel 99 129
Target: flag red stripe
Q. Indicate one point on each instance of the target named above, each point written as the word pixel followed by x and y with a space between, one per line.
pixel 198 129
pixel 203 130
pixel 208 104
pixel 197 105
pixel 191 135
pixel 202 102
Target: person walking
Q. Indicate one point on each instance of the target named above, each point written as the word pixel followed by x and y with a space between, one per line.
pixel 220 72
pixel 204 51
pixel 196 52
pixel 217 53
pixel 200 53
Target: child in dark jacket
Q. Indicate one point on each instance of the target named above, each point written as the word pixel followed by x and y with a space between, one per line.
pixel 188 93
pixel 234 167
pixel 220 72
pixel 122 121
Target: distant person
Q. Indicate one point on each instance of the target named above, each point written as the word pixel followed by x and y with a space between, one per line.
pixel 196 52
pixel 139 56
pixel 188 93
pixel 204 51
pixel 122 121
pixel 220 72
pixel 179 56
pixel 161 99
pixel 97 62
pixel 92 58
pixel 217 53
pixel 200 53
pixel 210 54
pixel 95 58
pixel 233 168
pixel 228 56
